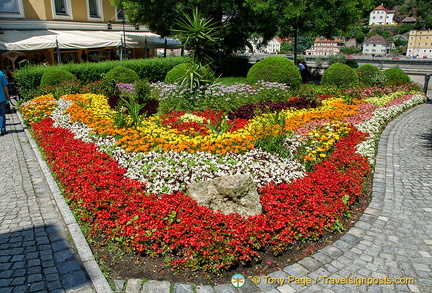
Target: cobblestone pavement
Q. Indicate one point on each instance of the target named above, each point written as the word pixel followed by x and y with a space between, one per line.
pixel 392 240
pixel 35 250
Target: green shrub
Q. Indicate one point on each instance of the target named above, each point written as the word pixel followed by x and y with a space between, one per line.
pixel 176 74
pixel 54 76
pixel 396 76
pixel 334 59
pixel 190 75
pixel 340 75
pixel 275 69
pixel 352 63
pixel 142 90
pixel 154 69
pixel 121 74
pixel 370 75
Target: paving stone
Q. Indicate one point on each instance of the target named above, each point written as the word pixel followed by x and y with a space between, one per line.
pixel 310 263
pixel 133 285
pixel 153 286
pixel 225 288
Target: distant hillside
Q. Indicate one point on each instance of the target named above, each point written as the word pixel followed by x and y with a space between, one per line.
pixel 419 9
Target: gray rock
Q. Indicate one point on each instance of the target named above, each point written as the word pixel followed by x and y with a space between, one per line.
pixel 229 194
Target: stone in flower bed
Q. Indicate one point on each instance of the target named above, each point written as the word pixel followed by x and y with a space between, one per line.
pixel 229 194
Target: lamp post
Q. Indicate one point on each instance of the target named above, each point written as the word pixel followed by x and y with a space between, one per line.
pixel 109 27
pixel 426 84
pixel 124 36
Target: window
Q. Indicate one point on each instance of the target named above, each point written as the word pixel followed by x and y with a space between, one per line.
pixel 11 8
pixel 94 8
pixel 62 9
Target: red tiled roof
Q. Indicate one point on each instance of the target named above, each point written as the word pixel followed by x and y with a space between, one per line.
pixel 375 40
pixel 381 7
pixel 324 40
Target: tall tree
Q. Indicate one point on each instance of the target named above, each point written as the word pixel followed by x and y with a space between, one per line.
pixel 237 20
pixel 327 18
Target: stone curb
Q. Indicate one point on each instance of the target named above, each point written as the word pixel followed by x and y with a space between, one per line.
pixel 98 280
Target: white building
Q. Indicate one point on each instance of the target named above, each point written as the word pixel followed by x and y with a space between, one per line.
pixel 377 45
pixel 382 16
pixel 272 47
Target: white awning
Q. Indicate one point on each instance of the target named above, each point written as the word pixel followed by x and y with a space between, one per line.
pixel 45 39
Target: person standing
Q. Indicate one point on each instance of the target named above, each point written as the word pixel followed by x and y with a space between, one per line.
pixel 4 96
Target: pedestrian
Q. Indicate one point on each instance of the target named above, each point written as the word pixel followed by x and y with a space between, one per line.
pixel 4 96
pixel 304 72
pixel 45 63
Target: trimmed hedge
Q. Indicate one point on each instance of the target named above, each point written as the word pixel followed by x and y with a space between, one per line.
pixel 154 69
pixel 121 74
pixel 396 76
pixel 176 73
pixel 275 69
pixel 54 76
pixel 370 75
pixel 341 76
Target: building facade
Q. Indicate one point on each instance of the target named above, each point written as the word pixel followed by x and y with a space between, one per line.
pixel 420 44
pixel 71 30
pixel 377 46
pixel 382 16
pixel 323 47
pixel 272 47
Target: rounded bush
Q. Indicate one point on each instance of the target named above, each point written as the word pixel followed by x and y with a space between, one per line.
pixel 54 76
pixel 396 76
pixel 181 71
pixel 340 75
pixel 176 74
pixel 275 69
pixel 121 74
pixel 369 75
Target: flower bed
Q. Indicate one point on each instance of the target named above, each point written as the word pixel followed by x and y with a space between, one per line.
pixel 125 184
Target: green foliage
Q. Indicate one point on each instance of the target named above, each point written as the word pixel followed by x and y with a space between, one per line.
pixel 190 75
pixel 133 109
pixel 396 76
pixel 339 58
pixel 241 23
pixel 121 74
pixel 198 34
pixel 350 51
pixel 176 74
pixel 54 76
pixel 319 61
pixel 142 90
pixel 370 75
pixel 196 76
pixel 275 69
pixel 153 69
pixel 352 63
pixel 341 76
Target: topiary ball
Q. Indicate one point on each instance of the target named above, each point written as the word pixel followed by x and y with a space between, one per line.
pixel 176 74
pixel 396 76
pixel 121 74
pixel 275 69
pixel 54 76
pixel 370 75
pixel 341 76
